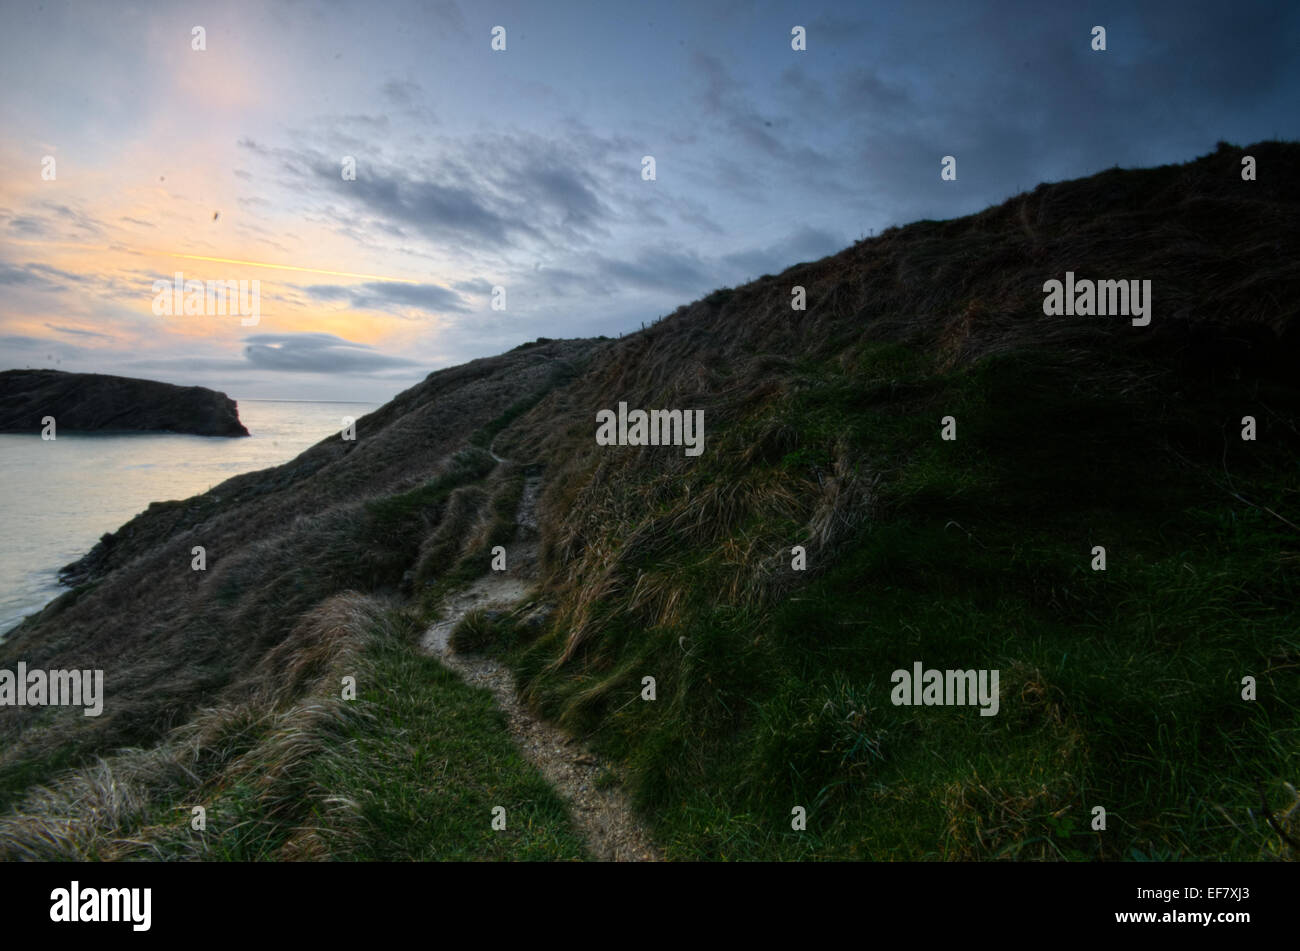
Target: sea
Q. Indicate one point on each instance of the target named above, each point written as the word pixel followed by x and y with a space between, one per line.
pixel 57 497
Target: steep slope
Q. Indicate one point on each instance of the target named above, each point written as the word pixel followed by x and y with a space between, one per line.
pixel 1120 688
pixel 824 429
pixel 89 402
pixel 344 514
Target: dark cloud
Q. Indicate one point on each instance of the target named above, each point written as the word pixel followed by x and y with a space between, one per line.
pixel 385 295
pixel 329 291
pixel 699 217
pixel 488 193
pixel 428 297
pixel 806 244
pixel 54 273
pixel 476 286
pixel 317 353
pixel 371 124
pixel 74 219
pixel 562 282
pixel 27 225
pixel 53 220
pixel 400 92
pixel 23 277
pixel 861 90
pixel 563 189
pixel 449 16
pixel 79 333
pixel 39 276
pixel 659 270
pixel 831 30
pixel 780 138
pixel 441 211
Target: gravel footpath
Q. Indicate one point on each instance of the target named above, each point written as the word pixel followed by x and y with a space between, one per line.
pixel 604 816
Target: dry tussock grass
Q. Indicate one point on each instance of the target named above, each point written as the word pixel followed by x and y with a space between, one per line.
pixel 625 546
pixel 997 821
pixel 137 802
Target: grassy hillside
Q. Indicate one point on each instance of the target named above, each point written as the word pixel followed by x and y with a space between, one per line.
pixel 1119 688
pixel 411 770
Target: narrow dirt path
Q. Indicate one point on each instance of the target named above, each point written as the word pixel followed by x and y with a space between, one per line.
pixel 603 817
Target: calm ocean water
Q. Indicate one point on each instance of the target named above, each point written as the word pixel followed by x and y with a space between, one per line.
pixel 58 497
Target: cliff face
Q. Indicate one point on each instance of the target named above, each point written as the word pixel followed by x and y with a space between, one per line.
pixel 88 402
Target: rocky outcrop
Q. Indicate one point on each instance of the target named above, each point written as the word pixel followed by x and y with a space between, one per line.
pixel 88 402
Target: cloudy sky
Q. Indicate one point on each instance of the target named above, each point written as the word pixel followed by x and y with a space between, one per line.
pixel 127 156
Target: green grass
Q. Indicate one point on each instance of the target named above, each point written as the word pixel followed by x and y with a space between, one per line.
pixel 412 773
pixel 422 777
pixel 409 770
pixel 1120 689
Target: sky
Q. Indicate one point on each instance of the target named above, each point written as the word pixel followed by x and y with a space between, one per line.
pixel 128 155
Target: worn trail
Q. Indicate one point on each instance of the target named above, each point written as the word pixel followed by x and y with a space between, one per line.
pixel 604 817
